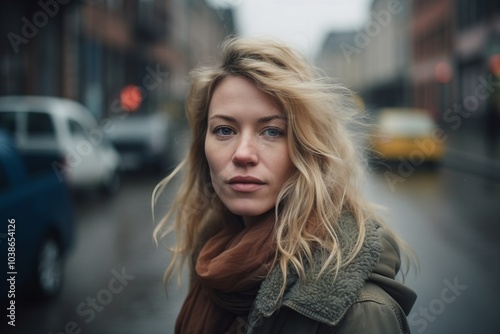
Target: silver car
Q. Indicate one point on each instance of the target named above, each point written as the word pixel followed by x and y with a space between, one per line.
pixel 40 123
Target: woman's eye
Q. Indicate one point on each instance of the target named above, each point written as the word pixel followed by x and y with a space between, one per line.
pixel 223 131
pixel 273 132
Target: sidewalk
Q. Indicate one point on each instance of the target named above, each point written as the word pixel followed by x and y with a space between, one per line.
pixel 469 150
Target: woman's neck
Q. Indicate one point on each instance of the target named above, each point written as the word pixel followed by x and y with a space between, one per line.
pixel 268 217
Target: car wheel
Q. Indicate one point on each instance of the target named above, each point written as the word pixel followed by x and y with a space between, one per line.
pixel 111 185
pixel 49 273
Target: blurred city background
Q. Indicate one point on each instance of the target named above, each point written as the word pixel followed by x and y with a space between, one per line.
pixel 92 117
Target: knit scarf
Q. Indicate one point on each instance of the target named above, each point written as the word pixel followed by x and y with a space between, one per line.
pixel 229 270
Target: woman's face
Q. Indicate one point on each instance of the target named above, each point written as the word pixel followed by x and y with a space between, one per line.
pixel 246 148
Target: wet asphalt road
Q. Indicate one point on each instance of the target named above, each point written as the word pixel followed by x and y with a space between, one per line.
pixel 114 273
pixel 451 220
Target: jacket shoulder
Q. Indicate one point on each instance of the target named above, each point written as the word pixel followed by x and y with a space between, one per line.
pixel 374 312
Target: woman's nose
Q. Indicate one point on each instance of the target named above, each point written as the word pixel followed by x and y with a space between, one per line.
pixel 246 152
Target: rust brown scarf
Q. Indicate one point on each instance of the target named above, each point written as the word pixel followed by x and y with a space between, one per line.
pixel 229 269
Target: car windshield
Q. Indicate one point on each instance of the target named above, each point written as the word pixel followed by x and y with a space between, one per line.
pixel 406 123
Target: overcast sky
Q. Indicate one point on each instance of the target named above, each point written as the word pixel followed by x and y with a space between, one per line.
pixel 302 23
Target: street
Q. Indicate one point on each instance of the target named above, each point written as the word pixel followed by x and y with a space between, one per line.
pixel 113 281
pixel 101 87
pixel 450 220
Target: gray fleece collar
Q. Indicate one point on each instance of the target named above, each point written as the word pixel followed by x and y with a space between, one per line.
pixel 327 299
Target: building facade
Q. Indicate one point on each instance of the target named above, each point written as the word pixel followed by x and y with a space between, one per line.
pixel 90 50
pixel 442 56
pixel 374 60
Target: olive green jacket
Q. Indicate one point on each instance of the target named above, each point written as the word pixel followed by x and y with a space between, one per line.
pixel 363 298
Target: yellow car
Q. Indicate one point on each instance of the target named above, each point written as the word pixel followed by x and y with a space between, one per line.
pixel 404 134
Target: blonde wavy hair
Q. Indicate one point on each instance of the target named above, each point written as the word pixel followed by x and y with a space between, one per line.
pixel 328 169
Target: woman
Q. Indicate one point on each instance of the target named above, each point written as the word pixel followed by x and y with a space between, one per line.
pixel 270 212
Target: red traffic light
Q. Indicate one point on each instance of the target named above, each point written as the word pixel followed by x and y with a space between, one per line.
pixel 130 98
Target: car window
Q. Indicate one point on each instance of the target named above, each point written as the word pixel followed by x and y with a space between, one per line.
pixel 40 124
pixel 75 129
pixel 78 130
pixel 8 121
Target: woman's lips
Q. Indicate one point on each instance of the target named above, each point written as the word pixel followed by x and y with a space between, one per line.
pixel 245 184
pixel 245 187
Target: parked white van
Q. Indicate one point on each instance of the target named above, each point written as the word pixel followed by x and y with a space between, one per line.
pixel 40 123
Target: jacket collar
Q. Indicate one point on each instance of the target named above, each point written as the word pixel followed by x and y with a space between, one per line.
pixel 328 298
pixel 386 269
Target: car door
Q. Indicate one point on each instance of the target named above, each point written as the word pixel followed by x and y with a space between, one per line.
pixel 87 167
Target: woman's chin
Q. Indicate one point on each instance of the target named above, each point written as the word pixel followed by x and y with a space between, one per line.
pixel 250 214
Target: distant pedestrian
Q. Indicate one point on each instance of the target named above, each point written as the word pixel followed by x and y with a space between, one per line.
pixel 270 213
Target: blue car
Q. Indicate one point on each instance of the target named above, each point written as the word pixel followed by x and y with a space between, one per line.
pixel 37 222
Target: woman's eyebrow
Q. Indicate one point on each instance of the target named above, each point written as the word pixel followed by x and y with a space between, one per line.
pixel 224 117
pixel 270 118
pixel 264 119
